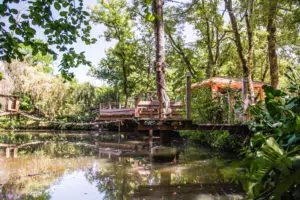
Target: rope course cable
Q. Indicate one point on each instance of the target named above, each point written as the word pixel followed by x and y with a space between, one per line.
pixel 66 123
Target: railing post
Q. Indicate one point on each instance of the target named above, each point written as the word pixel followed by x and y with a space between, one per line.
pixel 188 95
pixel 119 132
pixel 7 152
pixel 150 139
pixel 15 152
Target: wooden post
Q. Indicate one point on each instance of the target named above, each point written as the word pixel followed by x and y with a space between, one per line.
pixel 109 105
pixel 261 94
pixel 7 150
pixel 229 107
pixel 188 95
pixel 15 152
pixel 150 139
pixel 17 105
pixel 119 132
pixel 100 109
pixel 120 105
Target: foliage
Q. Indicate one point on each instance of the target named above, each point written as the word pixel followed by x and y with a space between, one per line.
pixel 12 138
pixel 62 22
pixel 220 141
pixel 205 109
pixel 272 159
pixel 127 66
pixel 49 96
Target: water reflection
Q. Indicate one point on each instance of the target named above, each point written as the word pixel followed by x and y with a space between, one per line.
pixel 198 175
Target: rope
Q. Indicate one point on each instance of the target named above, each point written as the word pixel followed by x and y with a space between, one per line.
pixel 67 123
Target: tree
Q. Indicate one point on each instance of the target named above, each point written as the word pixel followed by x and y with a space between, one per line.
pixel 247 79
pixel 207 19
pixel 271 28
pixel 62 22
pixel 115 16
pixel 160 65
pixel 177 45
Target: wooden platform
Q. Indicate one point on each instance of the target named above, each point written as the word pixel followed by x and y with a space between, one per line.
pixel 146 110
pixel 115 114
pixel 171 125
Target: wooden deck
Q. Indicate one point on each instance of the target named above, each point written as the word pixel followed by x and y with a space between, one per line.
pixel 145 118
pixel 145 110
pixel 116 114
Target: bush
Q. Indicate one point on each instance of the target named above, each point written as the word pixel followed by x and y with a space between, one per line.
pixel 272 160
pixel 217 140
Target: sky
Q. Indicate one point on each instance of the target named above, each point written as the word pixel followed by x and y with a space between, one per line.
pixel 94 52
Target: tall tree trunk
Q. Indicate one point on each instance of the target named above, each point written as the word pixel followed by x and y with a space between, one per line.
pixel 149 69
pixel 271 28
pixel 209 49
pixel 125 86
pixel 247 80
pixel 209 65
pixel 250 45
pixel 160 65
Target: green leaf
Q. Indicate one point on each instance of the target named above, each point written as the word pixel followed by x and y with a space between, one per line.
pixel 11 20
pixel 65 4
pixel 18 31
pixel 30 30
pixel 2 8
pixel 63 13
pixel 24 16
pixel 12 27
pixel 57 6
pixel 150 17
pixel 85 13
pixel 14 11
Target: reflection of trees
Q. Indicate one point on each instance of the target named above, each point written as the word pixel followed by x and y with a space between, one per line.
pixel 121 178
pixel 29 177
pixel 30 188
pixel 117 181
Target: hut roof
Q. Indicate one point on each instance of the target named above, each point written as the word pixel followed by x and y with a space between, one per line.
pixel 221 81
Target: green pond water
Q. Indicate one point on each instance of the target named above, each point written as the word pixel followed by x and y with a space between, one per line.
pixel 64 172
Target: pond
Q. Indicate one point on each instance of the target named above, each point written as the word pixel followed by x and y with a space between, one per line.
pixel 57 172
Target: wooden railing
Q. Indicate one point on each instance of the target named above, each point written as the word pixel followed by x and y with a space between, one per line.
pixel 116 105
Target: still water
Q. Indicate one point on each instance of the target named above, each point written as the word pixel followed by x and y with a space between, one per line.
pixel 40 174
